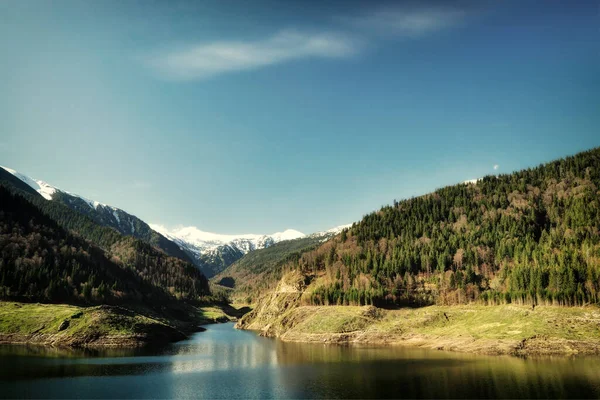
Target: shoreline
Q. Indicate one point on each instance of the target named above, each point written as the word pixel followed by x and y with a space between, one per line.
pixel 487 330
pixel 96 327
pixel 521 348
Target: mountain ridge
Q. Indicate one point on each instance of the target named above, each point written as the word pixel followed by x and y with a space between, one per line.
pixel 103 214
pixel 210 252
pixel 213 252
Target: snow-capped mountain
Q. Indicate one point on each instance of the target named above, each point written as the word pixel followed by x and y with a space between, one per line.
pixel 112 215
pixel 330 232
pixel 211 252
pixel 205 241
pixel 103 214
pixel 214 252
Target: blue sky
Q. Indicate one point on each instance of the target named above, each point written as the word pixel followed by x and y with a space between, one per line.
pixel 260 116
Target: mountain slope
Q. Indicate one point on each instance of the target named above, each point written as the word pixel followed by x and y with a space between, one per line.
pixel 102 214
pixel 41 261
pixel 529 237
pixel 260 270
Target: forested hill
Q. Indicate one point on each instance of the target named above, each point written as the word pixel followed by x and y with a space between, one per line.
pixel 531 236
pixel 42 261
pixel 260 270
pixel 59 203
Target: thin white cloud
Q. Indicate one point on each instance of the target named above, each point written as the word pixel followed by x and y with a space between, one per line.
pixel 496 166
pixel 406 21
pixel 210 59
pixel 205 60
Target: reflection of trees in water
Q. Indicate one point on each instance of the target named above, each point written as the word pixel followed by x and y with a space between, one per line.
pixel 69 352
pixel 20 362
pixel 229 363
pixel 341 371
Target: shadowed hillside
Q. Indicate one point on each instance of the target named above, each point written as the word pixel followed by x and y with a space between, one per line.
pixel 41 261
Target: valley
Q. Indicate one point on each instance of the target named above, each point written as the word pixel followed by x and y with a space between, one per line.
pixel 502 265
pixel 299 200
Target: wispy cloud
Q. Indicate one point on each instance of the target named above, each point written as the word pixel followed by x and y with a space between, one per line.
pixel 209 59
pixel 352 35
pixel 406 21
pixel 496 166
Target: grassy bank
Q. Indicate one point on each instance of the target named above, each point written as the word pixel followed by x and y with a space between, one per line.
pixel 100 326
pixel 507 329
pixel 66 325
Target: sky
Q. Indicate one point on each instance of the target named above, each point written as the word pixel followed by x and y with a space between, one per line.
pixel 255 117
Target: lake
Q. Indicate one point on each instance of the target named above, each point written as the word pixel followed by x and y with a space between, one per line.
pixel 226 363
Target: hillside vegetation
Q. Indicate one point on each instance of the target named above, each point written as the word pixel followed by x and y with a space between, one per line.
pixel 67 325
pixel 528 237
pixel 41 261
pixel 506 329
pixel 98 223
pixel 260 270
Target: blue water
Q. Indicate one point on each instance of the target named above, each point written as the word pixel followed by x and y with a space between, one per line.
pixel 226 363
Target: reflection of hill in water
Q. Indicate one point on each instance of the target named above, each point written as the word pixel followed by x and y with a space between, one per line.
pixel 363 372
pixel 226 363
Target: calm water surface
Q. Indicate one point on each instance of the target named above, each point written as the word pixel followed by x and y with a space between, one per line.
pixel 226 363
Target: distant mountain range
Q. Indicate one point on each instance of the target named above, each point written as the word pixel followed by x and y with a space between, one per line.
pixel 210 252
pixel 214 252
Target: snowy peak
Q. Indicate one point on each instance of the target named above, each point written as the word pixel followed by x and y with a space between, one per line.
pixel 49 192
pixel 41 187
pixel 203 241
pixel 213 252
pixel 331 232
pixel 288 234
pixel 110 215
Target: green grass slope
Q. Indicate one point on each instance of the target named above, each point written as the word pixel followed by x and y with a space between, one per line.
pixel 67 325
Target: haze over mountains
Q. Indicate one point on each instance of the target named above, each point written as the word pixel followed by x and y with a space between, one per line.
pixel 210 252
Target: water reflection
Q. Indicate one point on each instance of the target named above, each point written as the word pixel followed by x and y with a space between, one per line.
pixel 225 363
pixel 408 372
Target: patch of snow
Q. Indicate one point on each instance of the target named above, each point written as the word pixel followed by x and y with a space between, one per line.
pixel 338 229
pixel 89 202
pixel 471 181
pixel 47 191
pixel 41 187
pixel 132 227
pixel 116 215
pixel 331 232
pixel 288 234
